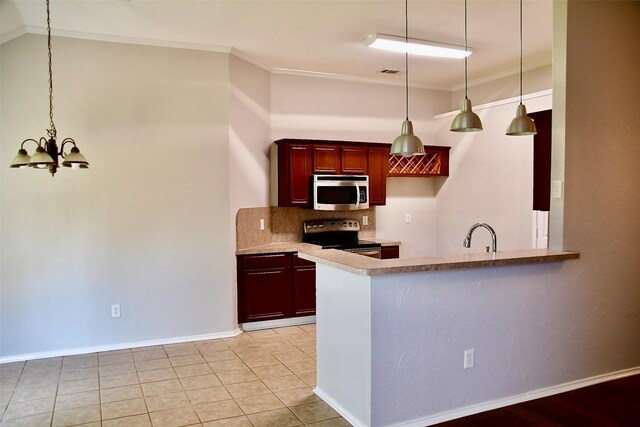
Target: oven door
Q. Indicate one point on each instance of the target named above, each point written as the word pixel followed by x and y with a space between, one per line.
pixel 340 192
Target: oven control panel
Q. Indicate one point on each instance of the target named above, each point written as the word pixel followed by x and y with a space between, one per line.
pixel 325 225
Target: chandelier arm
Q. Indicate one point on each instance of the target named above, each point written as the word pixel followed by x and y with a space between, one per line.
pixel 66 141
pixel 30 139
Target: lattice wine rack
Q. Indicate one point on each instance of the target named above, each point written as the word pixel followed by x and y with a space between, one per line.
pixel 435 162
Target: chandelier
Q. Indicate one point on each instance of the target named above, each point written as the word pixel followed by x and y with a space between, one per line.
pixel 47 153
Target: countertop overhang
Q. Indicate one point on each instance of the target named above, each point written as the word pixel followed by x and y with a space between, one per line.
pixel 299 247
pixel 366 266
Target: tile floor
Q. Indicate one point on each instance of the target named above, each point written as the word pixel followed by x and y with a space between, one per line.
pixel 260 378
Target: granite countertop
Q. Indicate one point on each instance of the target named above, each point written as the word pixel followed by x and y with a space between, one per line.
pixel 367 266
pixel 298 246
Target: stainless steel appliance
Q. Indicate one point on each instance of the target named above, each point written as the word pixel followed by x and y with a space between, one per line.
pixel 339 234
pixel 340 192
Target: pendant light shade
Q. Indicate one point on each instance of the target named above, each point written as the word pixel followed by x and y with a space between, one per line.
pixel 522 124
pixel 407 144
pixel 466 120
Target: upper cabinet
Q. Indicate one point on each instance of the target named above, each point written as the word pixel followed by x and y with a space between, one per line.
pixel 298 159
pixel 294 169
pixel 354 160
pixel 326 159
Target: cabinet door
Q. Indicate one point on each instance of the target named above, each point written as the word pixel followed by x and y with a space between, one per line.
pixel 326 159
pixel 304 287
pixel 354 160
pixel 390 252
pixel 267 295
pixel 378 169
pixel 264 287
pixel 299 175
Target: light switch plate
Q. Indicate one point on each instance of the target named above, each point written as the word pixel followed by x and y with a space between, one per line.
pixel 556 189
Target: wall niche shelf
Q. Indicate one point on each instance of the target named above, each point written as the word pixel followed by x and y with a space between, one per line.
pixel 435 162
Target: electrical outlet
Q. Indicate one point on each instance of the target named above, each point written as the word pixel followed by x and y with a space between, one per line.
pixel 261 223
pixel 115 310
pixel 407 218
pixel 365 220
pixel 469 358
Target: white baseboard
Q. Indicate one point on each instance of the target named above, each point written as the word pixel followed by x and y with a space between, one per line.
pixel 519 398
pixel 280 323
pixel 119 346
pixel 485 406
pixel 353 420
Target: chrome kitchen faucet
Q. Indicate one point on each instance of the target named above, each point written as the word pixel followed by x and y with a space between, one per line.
pixel 494 238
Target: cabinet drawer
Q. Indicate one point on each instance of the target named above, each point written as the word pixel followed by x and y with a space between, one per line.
pixel 297 261
pixel 252 262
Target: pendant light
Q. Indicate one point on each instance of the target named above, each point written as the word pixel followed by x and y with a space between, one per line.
pixel 521 124
pixel 46 155
pixel 407 144
pixel 466 120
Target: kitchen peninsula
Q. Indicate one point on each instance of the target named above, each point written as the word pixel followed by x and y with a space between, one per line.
pixel 391 334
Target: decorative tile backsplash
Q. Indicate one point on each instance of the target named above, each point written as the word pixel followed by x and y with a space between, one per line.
pixel 285 224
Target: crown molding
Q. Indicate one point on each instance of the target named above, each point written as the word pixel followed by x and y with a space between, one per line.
pixel 503 74
pixel 27 29
pixel 514 100
pixel 345 77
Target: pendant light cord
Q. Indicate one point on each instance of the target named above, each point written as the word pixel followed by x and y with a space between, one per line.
pixel 465 49
pixel 52 131
pixel 406 57
pixel 520 52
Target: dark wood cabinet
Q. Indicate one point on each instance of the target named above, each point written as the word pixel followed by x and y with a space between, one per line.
pixel 299 159
pixel 378 162
pixel 354 160
pixel 275 286
pixel 326 159
pixel 389 252
pixel 294 172
pixel 304 287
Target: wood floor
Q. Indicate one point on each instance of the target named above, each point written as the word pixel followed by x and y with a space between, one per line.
pixel 614 403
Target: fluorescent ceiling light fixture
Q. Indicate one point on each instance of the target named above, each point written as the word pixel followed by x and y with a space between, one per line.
pixel 416 46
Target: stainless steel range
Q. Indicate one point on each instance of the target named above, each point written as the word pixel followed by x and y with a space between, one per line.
pixel 339 234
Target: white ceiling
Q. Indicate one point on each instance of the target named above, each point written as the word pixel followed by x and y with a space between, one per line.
pixel 320 36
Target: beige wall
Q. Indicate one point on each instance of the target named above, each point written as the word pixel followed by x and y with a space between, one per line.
pixel 139 227
pixel 602 179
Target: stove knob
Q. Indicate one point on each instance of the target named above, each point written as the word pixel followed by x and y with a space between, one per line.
pixel 321 225
pixel 344 224
pixel 350 224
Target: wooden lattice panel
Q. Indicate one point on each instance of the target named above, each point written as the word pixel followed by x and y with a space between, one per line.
pixel 435 162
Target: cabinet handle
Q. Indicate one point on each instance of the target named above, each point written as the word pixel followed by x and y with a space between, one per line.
pixel 267 272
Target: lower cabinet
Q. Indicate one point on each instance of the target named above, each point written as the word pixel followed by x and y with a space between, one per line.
pixel 388 252
pixel 275 286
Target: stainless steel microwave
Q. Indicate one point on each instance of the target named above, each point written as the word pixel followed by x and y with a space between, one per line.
pixel 340 192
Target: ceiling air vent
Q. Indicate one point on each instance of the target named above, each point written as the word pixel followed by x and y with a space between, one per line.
pixel 388 71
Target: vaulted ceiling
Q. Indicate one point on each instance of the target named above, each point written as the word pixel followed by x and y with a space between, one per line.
pixel 317 36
